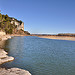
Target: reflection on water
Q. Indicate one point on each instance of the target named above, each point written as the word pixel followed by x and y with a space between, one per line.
pixel 4 44
pixel 42 56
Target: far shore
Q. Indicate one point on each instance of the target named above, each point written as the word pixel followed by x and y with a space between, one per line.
pixel 72 38
pixel 58 37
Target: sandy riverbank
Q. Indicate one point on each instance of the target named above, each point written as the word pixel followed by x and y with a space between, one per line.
pixel 59 37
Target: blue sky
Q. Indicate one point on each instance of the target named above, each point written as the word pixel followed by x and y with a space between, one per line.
pixel 42 16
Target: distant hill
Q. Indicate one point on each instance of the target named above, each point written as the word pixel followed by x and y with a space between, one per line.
pixel 11 25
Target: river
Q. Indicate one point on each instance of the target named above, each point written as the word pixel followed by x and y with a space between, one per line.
pixel 41 56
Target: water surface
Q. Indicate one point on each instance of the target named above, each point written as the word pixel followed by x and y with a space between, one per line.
pixel 42 56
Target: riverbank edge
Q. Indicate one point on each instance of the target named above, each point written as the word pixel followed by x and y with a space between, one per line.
pixel 4 58
pixel 69 38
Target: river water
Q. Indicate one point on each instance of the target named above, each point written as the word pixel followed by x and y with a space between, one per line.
pixel 42 56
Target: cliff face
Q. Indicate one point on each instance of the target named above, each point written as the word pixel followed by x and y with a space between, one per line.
pixel 19 25
pixel 11 25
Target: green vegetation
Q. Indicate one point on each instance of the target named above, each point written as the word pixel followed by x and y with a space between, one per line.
pixel 66 34
pixel 26 32
pixel 5 24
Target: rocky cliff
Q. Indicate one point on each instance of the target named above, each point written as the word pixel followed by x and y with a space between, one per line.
pixel 11 25
pixel 18 24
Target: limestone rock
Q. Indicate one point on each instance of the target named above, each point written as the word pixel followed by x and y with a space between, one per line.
pixel 4 58
pixel 6 37
pixel 13 71
pixel 2 33
pixel 3 54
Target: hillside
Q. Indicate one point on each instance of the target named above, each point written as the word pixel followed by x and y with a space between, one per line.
pixel 11 25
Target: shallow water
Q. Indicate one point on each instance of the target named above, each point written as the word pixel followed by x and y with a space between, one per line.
pixel 42 56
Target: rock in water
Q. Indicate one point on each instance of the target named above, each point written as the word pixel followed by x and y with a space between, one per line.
pixel 14 71
pixel 4 58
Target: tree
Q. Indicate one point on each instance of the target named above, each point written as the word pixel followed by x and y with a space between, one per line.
pixel 0 17
pixel 7 17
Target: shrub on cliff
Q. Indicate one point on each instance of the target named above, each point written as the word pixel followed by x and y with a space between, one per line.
pixel 5 24
pixel 0 17
pixel 8 25
pixel 26 32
